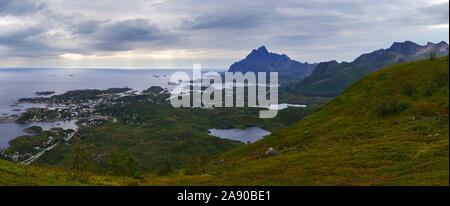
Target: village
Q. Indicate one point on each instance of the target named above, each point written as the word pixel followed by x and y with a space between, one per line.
pixel 79 105
pixel 56 109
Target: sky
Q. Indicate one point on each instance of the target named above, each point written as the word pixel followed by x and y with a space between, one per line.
pixel 177 34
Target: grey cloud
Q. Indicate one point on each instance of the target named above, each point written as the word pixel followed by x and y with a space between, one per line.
pixel 296 39
pixel 20 7
pixel 120 35
pixel 232 27
pixel 25 43
pixel 129 31
pixel 86 27
pixel 232 20
pixel 438 13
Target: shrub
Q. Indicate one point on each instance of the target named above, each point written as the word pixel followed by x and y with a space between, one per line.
pixel 197 165
pixel 429 89
pixel 123 164
pixel 164 169
pixel 410 89
pixel 80 163
pixel 391 106
pixel 432 55
pixel 438 80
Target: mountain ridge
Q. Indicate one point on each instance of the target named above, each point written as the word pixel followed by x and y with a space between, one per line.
pixel 331 78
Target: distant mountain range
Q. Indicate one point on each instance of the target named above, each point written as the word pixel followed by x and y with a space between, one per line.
pixel 331 78
pixel 261 60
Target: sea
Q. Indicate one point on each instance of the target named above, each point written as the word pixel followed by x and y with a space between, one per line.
pixel 16 83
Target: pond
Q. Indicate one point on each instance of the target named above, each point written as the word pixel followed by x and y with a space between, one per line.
pixel 283 106
pixel 247 135
pixel 9 131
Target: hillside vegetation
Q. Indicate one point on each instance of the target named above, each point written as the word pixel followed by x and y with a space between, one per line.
pixel 389 128
pixel 158 134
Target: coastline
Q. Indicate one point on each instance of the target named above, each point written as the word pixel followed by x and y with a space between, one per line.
pixel 13 119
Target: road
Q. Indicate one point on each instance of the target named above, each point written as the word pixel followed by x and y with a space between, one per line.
pixel 34 157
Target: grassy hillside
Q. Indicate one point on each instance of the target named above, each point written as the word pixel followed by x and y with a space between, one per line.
pixel 389 128
pixel 15 174
pixel 12 174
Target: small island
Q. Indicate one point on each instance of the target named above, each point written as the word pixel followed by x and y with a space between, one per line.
pixel 45 93
pixel 153 90
pixel 33 130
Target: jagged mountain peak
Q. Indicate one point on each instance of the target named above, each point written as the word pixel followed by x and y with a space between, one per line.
pixel 262 49
pixel 406 48
pixel 260 52
pixel 261 60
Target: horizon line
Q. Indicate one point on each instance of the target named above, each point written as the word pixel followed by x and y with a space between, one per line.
pixel 118 68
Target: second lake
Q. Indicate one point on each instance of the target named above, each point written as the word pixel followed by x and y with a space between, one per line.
pixel 247 135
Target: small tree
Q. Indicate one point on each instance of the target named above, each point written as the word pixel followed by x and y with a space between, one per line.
pixel 80 163
pixel 410 89
pixel 391 106
pixel 124 164
pixel 164 169
pixel 432 55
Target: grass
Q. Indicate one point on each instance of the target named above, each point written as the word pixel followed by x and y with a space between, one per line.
pixel 14 174
pixel 347 142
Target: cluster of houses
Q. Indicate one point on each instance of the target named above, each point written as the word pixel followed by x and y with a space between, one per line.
pixel 18 156
pixel 67 109
pixel 14 157
pixel 92 123
pixel 82 108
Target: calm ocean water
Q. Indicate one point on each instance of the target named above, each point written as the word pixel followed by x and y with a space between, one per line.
pixel 17 83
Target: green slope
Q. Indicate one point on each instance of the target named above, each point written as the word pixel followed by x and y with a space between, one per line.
pixel 355 141
pixel 14 174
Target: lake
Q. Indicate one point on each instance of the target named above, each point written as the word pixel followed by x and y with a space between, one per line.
pixel 283 106
pixel 249 134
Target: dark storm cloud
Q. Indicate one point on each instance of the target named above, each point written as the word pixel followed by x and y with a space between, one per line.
pixel 20 7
